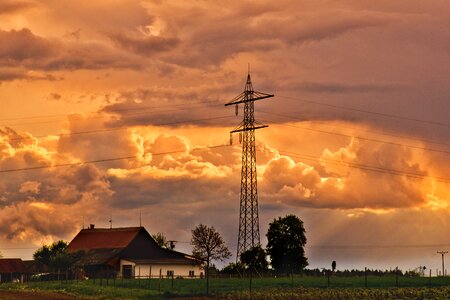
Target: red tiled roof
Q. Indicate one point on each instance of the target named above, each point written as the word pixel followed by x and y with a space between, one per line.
pixel 100 238
pixel 12 265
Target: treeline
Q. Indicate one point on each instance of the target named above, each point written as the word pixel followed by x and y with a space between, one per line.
pixel 355 272
pixel 239 269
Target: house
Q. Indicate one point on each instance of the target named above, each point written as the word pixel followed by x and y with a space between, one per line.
pixel 130 252
pixel 12 269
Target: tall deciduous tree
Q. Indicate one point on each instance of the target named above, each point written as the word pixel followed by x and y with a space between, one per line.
pixel 286 241
pixel 208 246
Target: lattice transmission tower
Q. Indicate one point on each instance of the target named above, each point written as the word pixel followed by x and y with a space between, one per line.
pixel 248 236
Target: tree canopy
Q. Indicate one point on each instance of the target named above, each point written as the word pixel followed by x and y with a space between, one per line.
pixel 255 259
pixel 208 246
pixel 286 241
pixel 233 268
pixel 56 256
pixel 160 239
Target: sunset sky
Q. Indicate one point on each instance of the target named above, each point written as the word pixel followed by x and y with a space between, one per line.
pixel 358 143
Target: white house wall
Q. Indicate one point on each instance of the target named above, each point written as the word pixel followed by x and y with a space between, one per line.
pixel 155 270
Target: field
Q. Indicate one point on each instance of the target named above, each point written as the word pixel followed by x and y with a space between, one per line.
pixel 306 287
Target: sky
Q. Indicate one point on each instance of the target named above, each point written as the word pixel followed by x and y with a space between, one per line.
pixel 357 147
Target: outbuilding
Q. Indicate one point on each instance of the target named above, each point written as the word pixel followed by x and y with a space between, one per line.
pixel 12 269
pixel 130 252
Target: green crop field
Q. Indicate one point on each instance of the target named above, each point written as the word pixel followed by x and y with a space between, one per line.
pixel 306 287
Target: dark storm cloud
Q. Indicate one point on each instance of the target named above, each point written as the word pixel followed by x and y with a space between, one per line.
pixel 343 88
pixel 10 74
pixel 144 45
pixel 174 107
pixel 141 191
pixel 14 6
pixel 330 25
pixel 17 46
pixel 22 53
pixel 228 35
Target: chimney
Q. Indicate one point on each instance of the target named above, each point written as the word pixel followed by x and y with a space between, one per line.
pixel 91 226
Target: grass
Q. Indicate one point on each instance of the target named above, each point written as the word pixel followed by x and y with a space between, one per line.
pixel 306 287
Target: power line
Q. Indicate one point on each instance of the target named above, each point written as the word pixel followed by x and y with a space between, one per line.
pixel 366 167
pixel 18 248
pixel 387 133
pixel 374 246
pixel 120 128
pixel 283 152
pixel 106 160
pixel 224 117
pixel 364 138
pixel 368 112
pixel 202 102
pixel 102 117
pixel 110 110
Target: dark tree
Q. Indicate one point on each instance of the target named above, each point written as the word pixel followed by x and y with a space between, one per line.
pixel 208 246
pixel 160 239
pixel 286 241
pixel 254 259
pixel 333 266
pixel 56 257
pixel 233 268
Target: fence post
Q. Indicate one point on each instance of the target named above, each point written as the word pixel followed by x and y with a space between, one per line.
pixel 365 276
pixel 292 278
pixel 328 276
pixel 251 279
pixel 396 276
pixel 159 283
pixel 149 277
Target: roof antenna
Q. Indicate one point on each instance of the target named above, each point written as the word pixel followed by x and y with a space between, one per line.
pixel 110 221
pixel 83 222
pixel 248 68
pixel 140 219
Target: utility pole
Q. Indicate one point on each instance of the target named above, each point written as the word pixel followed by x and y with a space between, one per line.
pixel 442 253
pixel 248 236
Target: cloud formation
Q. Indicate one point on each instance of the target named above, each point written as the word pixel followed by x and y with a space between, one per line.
pixel 148 80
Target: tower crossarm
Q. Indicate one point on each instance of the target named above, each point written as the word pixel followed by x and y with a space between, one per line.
pixel 249 128
pixel 242 98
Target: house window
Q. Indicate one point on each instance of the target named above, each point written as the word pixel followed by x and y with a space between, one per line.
pixel 191 274
pixel 127 271
pixel 169 273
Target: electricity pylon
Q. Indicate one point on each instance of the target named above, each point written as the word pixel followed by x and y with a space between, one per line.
pixel 248 236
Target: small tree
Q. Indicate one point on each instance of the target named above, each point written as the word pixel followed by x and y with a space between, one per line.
pixel 208 246
pixel 160 239
pixel 286 239
pixel 56 257
pixel 233 268
pixel 255 259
